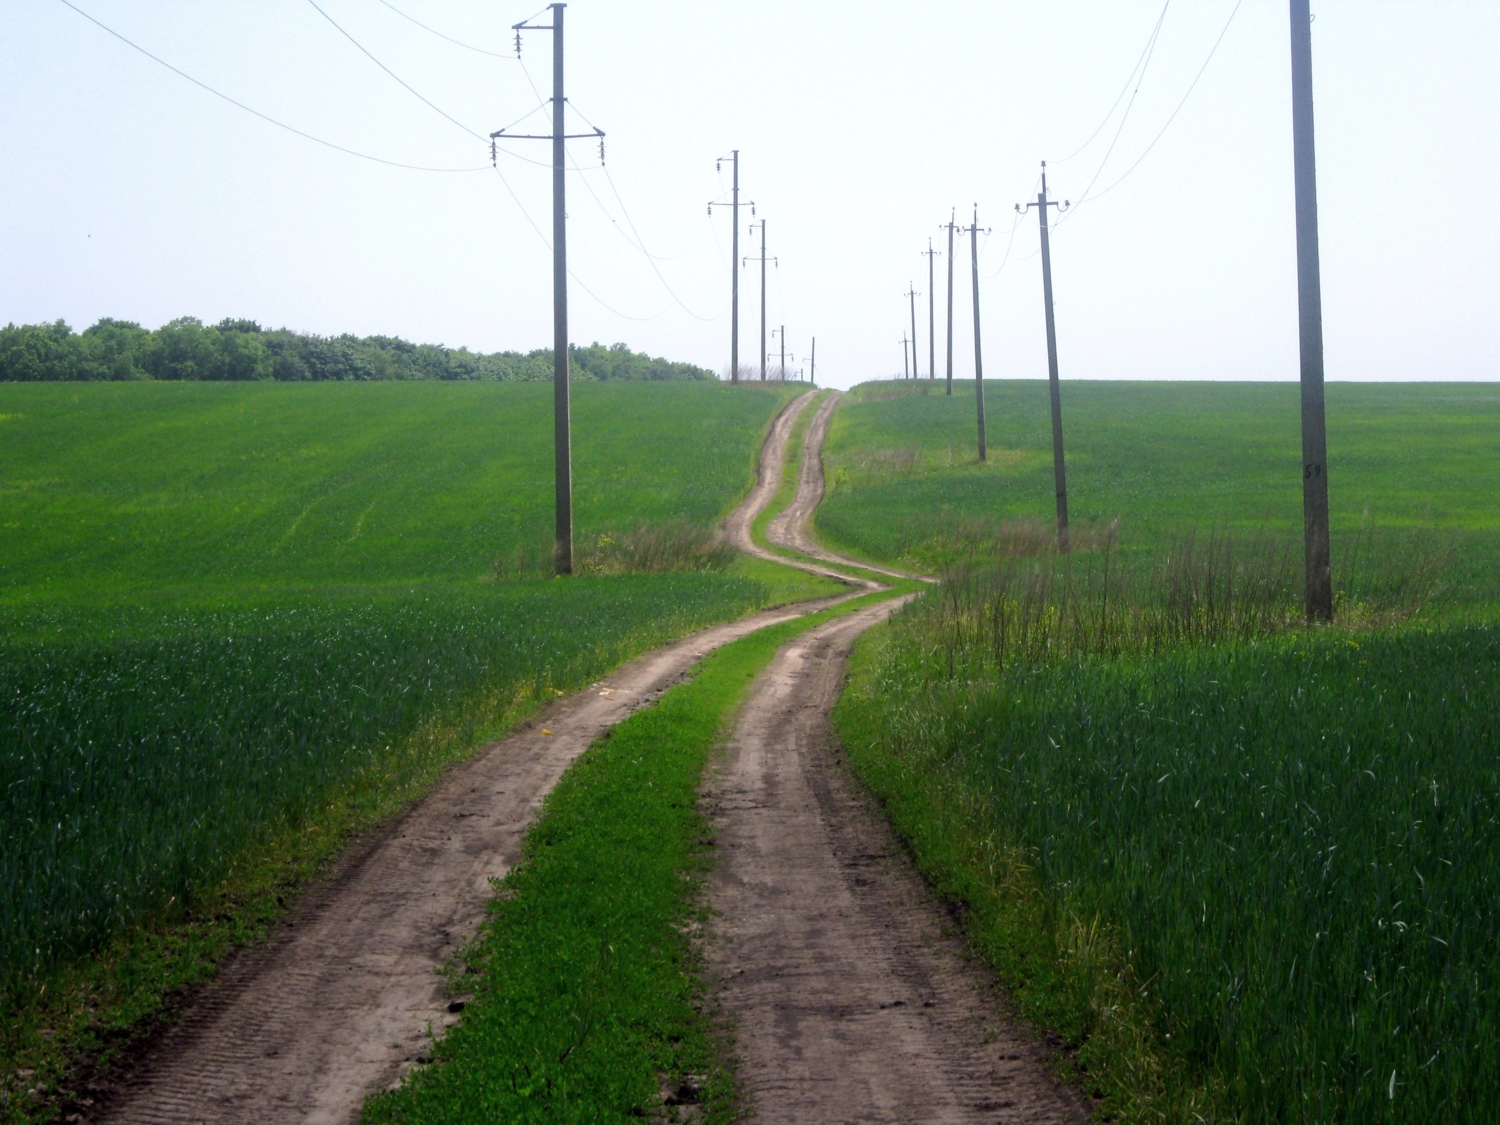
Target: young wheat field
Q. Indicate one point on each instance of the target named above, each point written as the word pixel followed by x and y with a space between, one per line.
pixel 1246 868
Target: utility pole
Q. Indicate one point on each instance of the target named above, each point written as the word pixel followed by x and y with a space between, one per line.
pixel 931 315
pixel 781 331
pixel 561 420
pixel 952 226
pixel 905 370
pixel 1059 469
pixel 762 260
pixel 812 363
pixel 912 293
pixel 978 362
pixel 1310 326
pixel 734 267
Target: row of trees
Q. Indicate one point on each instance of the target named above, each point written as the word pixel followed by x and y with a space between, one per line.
pixel 187 348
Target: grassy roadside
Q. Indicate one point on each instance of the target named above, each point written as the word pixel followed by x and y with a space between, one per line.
pixel 1242 882
pixel 583 999
pixel 211 658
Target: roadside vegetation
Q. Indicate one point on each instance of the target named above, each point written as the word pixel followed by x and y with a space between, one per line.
pixel 237 623
pixel 583 998
pixel 1156 460
pixel 1239 865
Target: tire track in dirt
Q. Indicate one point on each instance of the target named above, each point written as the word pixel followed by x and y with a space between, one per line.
pixel 848 990
pixel 338 1003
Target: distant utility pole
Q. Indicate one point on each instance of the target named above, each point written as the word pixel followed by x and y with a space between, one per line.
pixel 952 226
pixel 781 331
pixel 812 363
pixel 978 361
pixel 1059 469
pixel 912 293
pixel 931 315
pixel 561 420
pixel 762 261
pixel 734 267
pixel 1310 326
pixel 905 370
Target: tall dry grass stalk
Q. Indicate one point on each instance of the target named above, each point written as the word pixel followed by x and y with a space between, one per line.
pixel 644 549
pixel 1030 604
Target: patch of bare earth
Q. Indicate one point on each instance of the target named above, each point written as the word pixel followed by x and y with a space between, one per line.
pixel 849 995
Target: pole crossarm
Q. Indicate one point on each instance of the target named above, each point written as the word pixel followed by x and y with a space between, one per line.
pixel 498 133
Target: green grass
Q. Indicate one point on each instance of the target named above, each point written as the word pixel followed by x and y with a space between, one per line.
pixel 906 485
pixel 586 1001
pixel 237 622
pixel 1243 868
pixel 1252 882
pixel 144 486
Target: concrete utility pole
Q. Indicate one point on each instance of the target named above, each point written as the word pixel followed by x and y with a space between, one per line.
pixel 561 420
pixel 978 360
pixel 952 226
pixel 912 293
pixel 781 331
pixel 812 363
pixel 734 266
pixel 1059 469
pixel 1310 326
pixel 905 370
pixel 931 315
pixel 762 261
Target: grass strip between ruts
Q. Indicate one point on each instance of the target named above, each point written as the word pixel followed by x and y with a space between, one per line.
pixel 584 1000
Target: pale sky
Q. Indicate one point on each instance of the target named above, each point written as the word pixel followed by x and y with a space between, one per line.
pixel 127 191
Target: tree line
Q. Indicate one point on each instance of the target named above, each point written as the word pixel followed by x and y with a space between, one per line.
pixel 186 348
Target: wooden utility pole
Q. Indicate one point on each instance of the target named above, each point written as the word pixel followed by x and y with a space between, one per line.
pixel 734 264
pixel 1316 550
pixel 1059 468
pixel 952 226
pixel 912 293
pixel 978 356
pixel 762 259
pixel 561 421
pixel 931 315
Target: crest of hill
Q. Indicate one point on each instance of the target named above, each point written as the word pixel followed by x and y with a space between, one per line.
pixel 240 350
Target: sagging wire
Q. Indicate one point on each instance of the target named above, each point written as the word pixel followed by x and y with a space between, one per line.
pixel 1144 58
pixel 255 112
pixel 436 109
pixel 440 35
pixel 547 242
pixel 1212 51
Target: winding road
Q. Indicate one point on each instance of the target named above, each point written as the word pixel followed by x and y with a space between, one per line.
pixel 852 1000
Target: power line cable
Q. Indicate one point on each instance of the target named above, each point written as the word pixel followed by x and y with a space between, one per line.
pixel 639 243
pixel 1145 54
pixel 547 242
pixel 440 35
pixel 1124 117
pixel 255 112
pixel 1087 198
pixel 436 109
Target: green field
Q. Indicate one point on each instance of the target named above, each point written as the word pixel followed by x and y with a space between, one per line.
pixel 1244 868
pixel 1161 458
pixel 240 621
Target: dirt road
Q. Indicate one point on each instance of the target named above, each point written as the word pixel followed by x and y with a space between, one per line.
pixel 851 999
pixel 852 1002
pixel 338 1003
